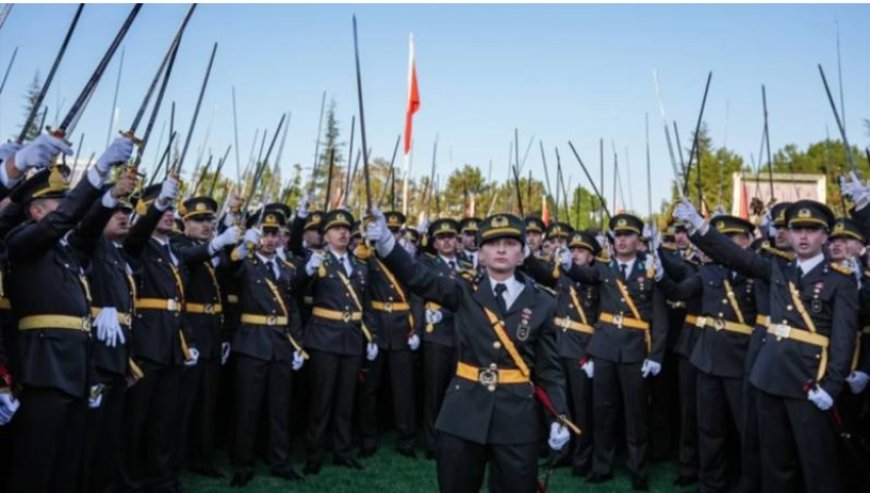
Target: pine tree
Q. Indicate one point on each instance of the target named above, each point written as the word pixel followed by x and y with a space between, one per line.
pixel 30 100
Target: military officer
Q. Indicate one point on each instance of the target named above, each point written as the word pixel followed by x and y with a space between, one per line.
pixel 468 227
pixel 534 233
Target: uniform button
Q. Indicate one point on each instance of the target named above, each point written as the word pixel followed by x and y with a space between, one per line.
pixel 496 345
pixel 493 366
pixel 818 356
pixel 724 301
pixel 622 299
pixel 457 387
pixel 789 308
pixel 721 315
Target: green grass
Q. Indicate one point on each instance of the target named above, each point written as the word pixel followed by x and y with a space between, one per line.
pixel 388 472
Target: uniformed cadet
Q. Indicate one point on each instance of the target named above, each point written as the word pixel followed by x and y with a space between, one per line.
pixel 113 290
pixel 805 357
pixel 51 299
pixel 557 236
pixel 162 344
pixel 724 328
pixel 266 345
pixel 394 312
pixel 504 327
pixel 203 310
pixel 626 349
pixel 534 233
pixel 439 335
pixel 468 227
pixel 576 312
pixel 337 335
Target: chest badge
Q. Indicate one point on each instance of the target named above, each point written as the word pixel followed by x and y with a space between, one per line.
pixel 525 327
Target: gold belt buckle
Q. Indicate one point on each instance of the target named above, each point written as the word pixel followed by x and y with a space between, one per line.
pixel 617 320
pixel 86 323
pixel 718 324
pixel 488 377
pixel 781 331
pixel 388 306
pixel 172 305
pixel 271 320
pixel 700 322
pixel 126 319
pixel 209 309
pixel 345 316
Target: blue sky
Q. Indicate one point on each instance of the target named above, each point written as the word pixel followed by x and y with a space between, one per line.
pixel 559 72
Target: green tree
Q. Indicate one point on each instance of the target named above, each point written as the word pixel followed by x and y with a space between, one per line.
pixel 30 101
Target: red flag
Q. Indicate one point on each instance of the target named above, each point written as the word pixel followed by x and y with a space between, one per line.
pixel 545 211
pixel 744 201
pixel 413 95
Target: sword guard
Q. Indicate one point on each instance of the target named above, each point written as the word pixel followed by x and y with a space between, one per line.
pixel 129 134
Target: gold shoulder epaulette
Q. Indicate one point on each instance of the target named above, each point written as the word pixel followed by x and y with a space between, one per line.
pixel 545 289
pixel 842 269
pixel 867 274
pixel 776 251
pixel 429 255
pixel 289 265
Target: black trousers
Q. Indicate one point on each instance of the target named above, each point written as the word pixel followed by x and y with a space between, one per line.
pixel 197 415
pixel 798 446
pixel 688 457
pixel 401 371
pixel 104 445
pixel 750 447
pixel 612 382
pixel 664 409
pixel 580 404
pixel 258 382
pixel 48 434
pixel 439 366
pixel 149 413
pixel 721 402
pixel 461 465
pixel 333 382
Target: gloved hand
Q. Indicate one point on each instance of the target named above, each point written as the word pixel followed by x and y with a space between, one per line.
pixel 314 262
pixel 40 152
pixel 168 192
pixel 423 227
pixel 109 330
pixel 686 212
pixel 434 316
pixel 252 236
pixel 227 238
pixel 414 342
pixel 298 360
pixel 559 436
pixel 8 405
pixel 194 357
pixel 378 233
pixel 96 396
pixel 650 367
pixel 820 398
pixel 371 351
pixel 857 381
pixel 589 368
pixel 659 266
pixel 9 149
pixel 304 204
pixel 226 348
pixel 565 258
pixel 119 152
pixel 855 191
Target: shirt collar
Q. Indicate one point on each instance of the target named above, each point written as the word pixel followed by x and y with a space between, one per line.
pixel 264 259
pixel 512 284
pixel 809 264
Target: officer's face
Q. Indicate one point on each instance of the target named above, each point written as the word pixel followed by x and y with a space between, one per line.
pixel 199 228
pixel 337 237
pixel 854 247
pixel 782 238
pixel 843 248
pixel 533 239
pixel 502 256
pixel 167 222
pixel 625 244
pixel 581 256
pixel 681 239
pixel 269 242
pixel 311 238
pixel 807 242
pixel 445 244
pixel 118 226
pixel 469 241
pixel 742 241
pixel 547 247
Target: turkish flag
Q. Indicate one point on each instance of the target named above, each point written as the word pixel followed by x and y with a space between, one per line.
pixel 413 95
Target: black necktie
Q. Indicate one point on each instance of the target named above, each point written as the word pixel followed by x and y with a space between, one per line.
pixel 800 272
pixel 624 269
pixel 452 265
pixel 499 297
pixel 270 270
pixel 168 252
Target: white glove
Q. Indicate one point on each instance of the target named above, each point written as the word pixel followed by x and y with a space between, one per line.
pixel 225 352
pixel 414 342
pixel 856 191
pixel 659 266
pixel 298 360
pixel 434 316
pixel 40 152
pixel 314 262
pixel 119 152
pixel 371 351
pixel 252 236
pixel 650 367
pixel 565 258
pixel 229 219
pixel 96 396
pixel 225 239
pixel 559 436
pixel 857 381
pixel 108 328
pixel 378 233
pixel 685 212
pixel 8 405
pixel 589 368
pixel 168 192
pixel 9 149
pixel 820 398
pixel 304 204
pixel 194 357
pixel 423 227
